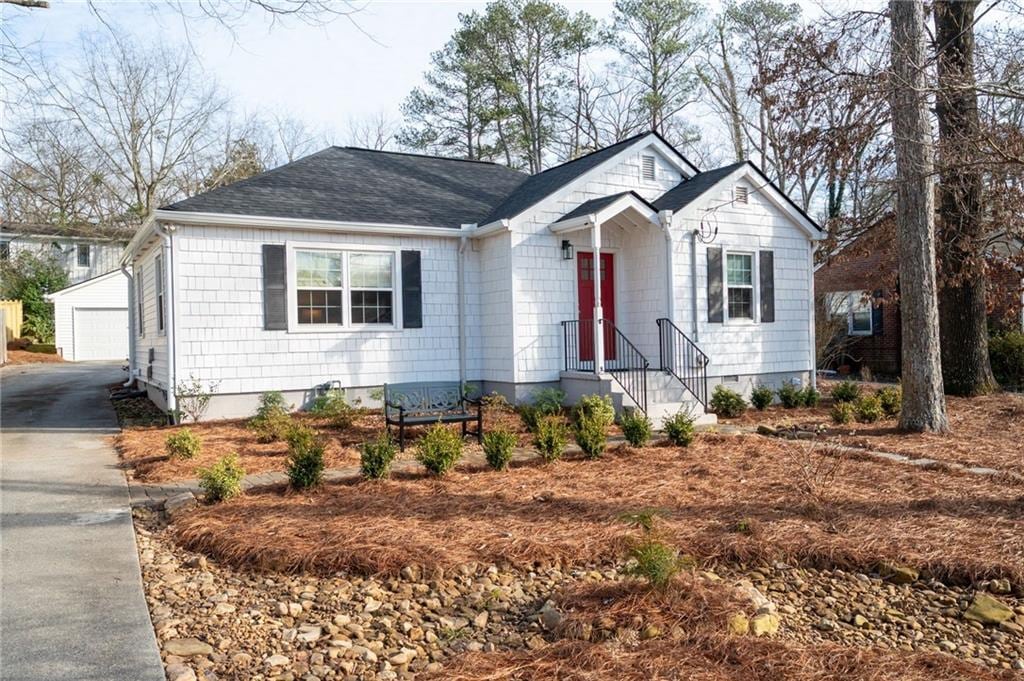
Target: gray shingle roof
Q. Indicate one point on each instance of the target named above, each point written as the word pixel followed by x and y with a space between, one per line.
pixel 347 184
pixel 82 230
pixel 688 191
pixel 594 205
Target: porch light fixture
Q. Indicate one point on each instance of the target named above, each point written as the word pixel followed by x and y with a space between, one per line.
pixel 566 250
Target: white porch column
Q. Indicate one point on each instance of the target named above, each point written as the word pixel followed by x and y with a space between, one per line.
pixel 598 310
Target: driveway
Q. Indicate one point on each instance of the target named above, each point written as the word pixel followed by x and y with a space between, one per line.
pixel 71 605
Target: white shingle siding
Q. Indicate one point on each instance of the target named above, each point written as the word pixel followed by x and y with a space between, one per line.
pixel 104 256
pixel 220 334
pixel 151 337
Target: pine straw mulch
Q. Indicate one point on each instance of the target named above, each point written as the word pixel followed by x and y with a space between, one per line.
pixel 20 357
pixel 694 644
pixel 725 498
pixel 143 449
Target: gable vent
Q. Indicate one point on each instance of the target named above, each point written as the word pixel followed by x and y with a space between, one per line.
pixel 647 168
pixel 740 195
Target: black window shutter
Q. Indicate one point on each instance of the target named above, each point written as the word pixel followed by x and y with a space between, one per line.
pixel 275 288
pixel 877 313
pixel 715 285
pixel 767 276
pixel 412 291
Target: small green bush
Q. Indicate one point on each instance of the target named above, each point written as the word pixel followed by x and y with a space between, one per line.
pixel 810 397
pixel 183 444
pixel 653 561
pixel 636 428
pixel 333 405
pixel 1006 352
pixel 551 437
pixel 305 457
pixel 272 426
pixel 868 408
pixel 271 401
pixel 530 415
pixel 727 403
pixel 223 479
pixel 594 416
pixel 891 399
pixel 847 391
pixel 439 449
pixel 761 397
pixel 679 429
pixel 843 412
pixel 498 447
pixel 790 396
pixel 376 457
pixel 548 400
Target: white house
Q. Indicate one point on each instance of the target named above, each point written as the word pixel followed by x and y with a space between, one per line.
pixel 366 267
pixel 86 251
pixel 91 318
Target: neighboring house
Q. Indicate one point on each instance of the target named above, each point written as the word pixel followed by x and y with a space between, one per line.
pixel 858 294
pixel 363 267
pixel 91 315
pixel 86 251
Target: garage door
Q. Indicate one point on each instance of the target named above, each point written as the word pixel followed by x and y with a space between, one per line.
pixel 100 333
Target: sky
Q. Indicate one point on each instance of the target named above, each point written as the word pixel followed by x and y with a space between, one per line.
pixel 323 75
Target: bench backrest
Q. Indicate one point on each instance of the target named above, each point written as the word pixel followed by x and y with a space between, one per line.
pixel 424 398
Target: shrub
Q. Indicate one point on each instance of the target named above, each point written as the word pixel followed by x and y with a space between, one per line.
pixel 636 427
pixel 28 276
pixel 305 457
pixel 333 405
pixel 194 397
pixel 271 422
pixel 847 391
pixel 223 479
pixel 594 415
pixel 868 408
pixel 548 400
pixel 790 396
pixel 530 415
pixel 550 437
pixel 679 429
pixel 439 449
pixel 653 561
pixel 1006 352
pixel 727 403
pixel 761 397
pixel 843 412
pixel 498 446
pixel 810 397
pixel 891 400
pixel 271 401
pixel 376 457
pixel 183 444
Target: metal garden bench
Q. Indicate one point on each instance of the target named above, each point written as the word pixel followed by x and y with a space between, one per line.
pixel 417 404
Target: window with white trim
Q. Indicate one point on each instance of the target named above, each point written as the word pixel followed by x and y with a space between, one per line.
pixel 344 288
pixel 856 307
pixel 83 255
pixel 648 171
pixel 158 285
pixel 140 319
pixel 739 285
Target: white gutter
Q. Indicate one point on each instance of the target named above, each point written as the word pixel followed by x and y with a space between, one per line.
pixel 503 225
pixel 131 325
pixel 461 287
pixel 574 225
pixel 693 285
pixel 145 231
pixel 813 313
pixel 268 222
pixel 665 218
pixel 166 233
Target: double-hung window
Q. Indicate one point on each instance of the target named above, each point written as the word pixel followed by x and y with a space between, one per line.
pixel 140 309
pixel 739 279
pixel 158 286
pixel 83 255
pixel 344 288
pixel 855 306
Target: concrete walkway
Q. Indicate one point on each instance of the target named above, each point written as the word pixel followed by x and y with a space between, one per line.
pixel 72 601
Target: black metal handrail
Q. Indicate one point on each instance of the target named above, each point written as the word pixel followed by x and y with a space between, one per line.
pixel 681 357
pixel 623 361
pixel 630 369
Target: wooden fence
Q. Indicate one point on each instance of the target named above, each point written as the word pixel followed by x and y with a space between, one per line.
pixel 12 318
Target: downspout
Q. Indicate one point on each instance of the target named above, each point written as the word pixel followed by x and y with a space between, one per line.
pixel 665 218
pixel 463 240
pixel 131 324
pixel 813 313
pixel 693 286
pixel 166 233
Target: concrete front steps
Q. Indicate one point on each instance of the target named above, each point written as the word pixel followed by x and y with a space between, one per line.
pixel 666 396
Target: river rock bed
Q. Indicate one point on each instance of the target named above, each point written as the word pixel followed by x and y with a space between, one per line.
pixel 215 623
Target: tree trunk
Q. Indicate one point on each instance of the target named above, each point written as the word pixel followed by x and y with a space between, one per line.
pixel 924 404
pixel 963 320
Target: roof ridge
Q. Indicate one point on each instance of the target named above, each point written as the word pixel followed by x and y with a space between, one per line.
pixel 415 155
pixel 595 151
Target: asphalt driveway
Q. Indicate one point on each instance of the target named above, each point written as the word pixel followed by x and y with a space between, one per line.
pixel 71 604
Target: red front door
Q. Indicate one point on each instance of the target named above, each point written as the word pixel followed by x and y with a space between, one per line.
pixel 585 278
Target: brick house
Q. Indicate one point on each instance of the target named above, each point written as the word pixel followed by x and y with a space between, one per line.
pixel 626 272
pixel 860 284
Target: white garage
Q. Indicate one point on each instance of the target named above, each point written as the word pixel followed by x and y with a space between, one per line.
pixel 91 318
